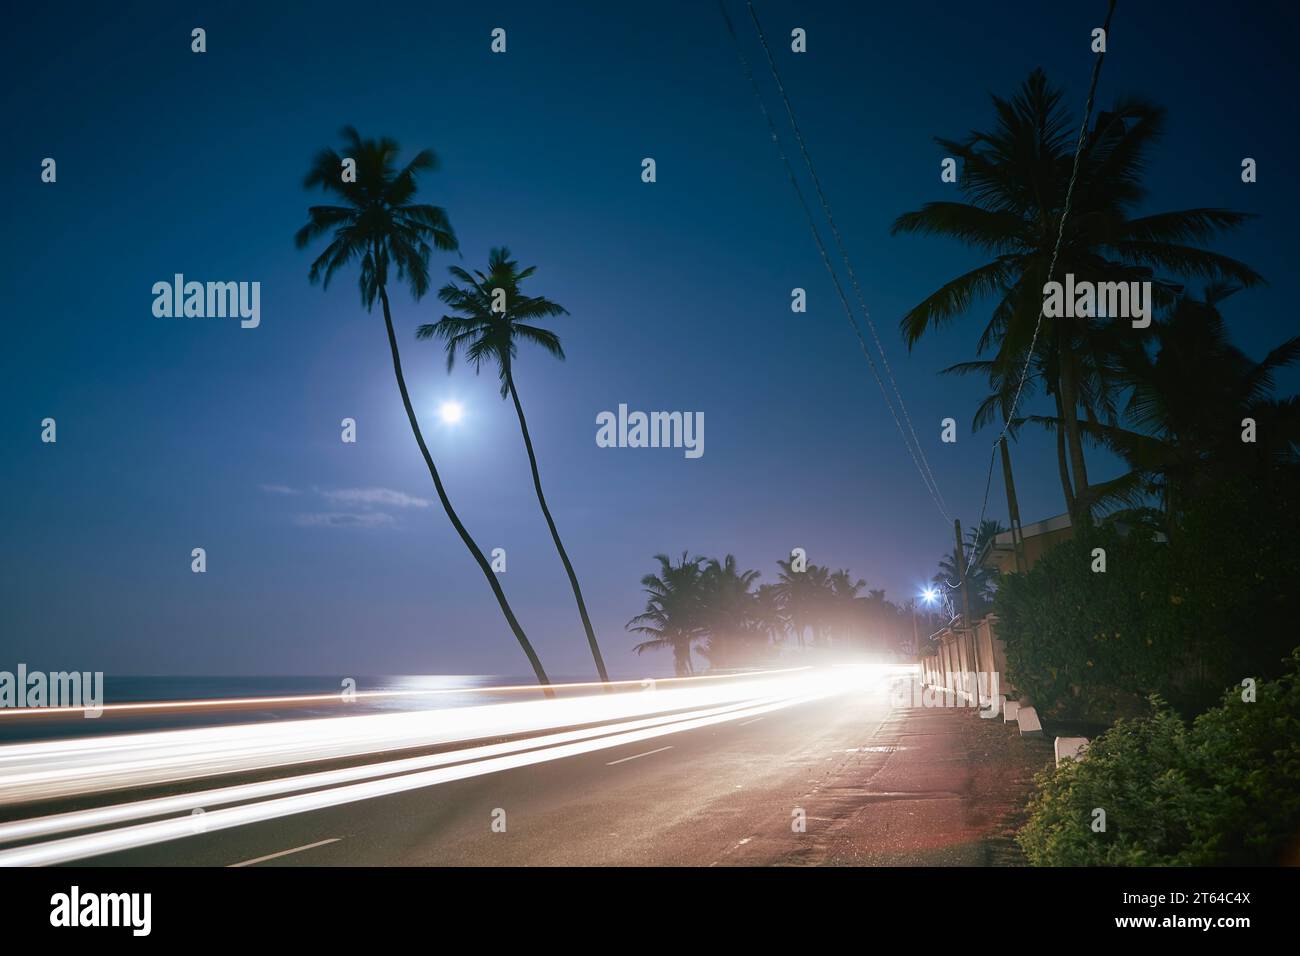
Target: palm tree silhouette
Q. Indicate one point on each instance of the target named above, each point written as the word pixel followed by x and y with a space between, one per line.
pixel 379 226
pixel 1015 177
pixel 1189 390
pixel 736 635
pixel 673 615
pixel 979 579
pixel 490 317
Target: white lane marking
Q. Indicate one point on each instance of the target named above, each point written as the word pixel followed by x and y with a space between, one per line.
pixel 275 856
pixel 748 722
pixel 146 834
pixel 648 753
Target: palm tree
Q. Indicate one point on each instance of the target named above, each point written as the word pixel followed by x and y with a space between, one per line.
pixel 980 580
pixel 730 614
pixel 842 603
pixel 379 226
pixel 490 317
pixel 1015 178
pixel 673 616
pixel 802 596
pixel 769 613
pixel 1189 390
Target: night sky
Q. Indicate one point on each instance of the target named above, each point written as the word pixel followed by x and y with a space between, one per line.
pixel 181 433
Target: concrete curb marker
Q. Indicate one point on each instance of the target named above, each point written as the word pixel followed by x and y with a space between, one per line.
pixel 1070 747
pixel 1030 726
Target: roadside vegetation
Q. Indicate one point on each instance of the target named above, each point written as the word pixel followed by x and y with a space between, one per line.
pixel 1222 790
pixel 1197 533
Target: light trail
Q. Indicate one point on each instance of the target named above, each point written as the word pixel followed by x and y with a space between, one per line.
pixel 55 769
pixel 560 728
pixel 47 770
pixel 161 831
pixel 202 799
pixel 341 698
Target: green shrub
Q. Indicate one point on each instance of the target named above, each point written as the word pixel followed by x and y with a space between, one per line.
pixel 1081 643
pixel 1181 619
pixel 1224 791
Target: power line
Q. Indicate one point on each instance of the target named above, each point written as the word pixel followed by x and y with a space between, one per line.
pixel 844 256
pixel 821 247
pixel 1065 211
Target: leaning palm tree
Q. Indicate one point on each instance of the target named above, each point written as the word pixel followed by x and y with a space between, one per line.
pixel 1015 178
pixel 490 316
pixel 377 224
pixel 673 617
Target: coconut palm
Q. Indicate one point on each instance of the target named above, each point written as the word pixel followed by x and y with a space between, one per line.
pixel 1190 389
pixel 980 580
pixel 1015 178
pixel 802 596
pixel 736 635
pixel 490 316
pixel 376 224
pixel 673 617
pixel 841 604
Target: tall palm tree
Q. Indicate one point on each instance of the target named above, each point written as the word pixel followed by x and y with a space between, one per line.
pixel 377 224
pixel 1015 178
pixel 673 617
pixel 490 316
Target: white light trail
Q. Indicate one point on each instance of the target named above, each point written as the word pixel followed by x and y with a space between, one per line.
pixel 47 770
pixel 203 799
pixel 52 769
pixel 145 834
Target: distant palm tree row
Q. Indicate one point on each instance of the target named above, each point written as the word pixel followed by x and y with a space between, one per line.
pixel 711 607
pixel 377 225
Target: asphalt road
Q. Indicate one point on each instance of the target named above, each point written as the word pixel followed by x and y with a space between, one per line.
pixel 717 795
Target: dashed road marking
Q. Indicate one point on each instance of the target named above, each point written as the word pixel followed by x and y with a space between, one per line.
pixel 648 753
pixel 274 856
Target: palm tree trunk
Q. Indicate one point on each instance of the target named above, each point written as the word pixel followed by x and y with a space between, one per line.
pixel 1061 460
pixel 555 534
pixel 1070 421
pixel 451 512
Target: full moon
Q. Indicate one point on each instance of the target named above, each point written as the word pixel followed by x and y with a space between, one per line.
pixel 451 412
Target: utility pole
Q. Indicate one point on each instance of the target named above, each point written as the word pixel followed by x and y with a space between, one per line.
pixel 1013 509
pixel 965 610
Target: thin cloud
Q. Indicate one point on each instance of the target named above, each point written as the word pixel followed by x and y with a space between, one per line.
pixel 279 490
pixel 335 519
pixel 365 497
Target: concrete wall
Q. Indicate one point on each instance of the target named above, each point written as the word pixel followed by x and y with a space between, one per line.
pixel 953 655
